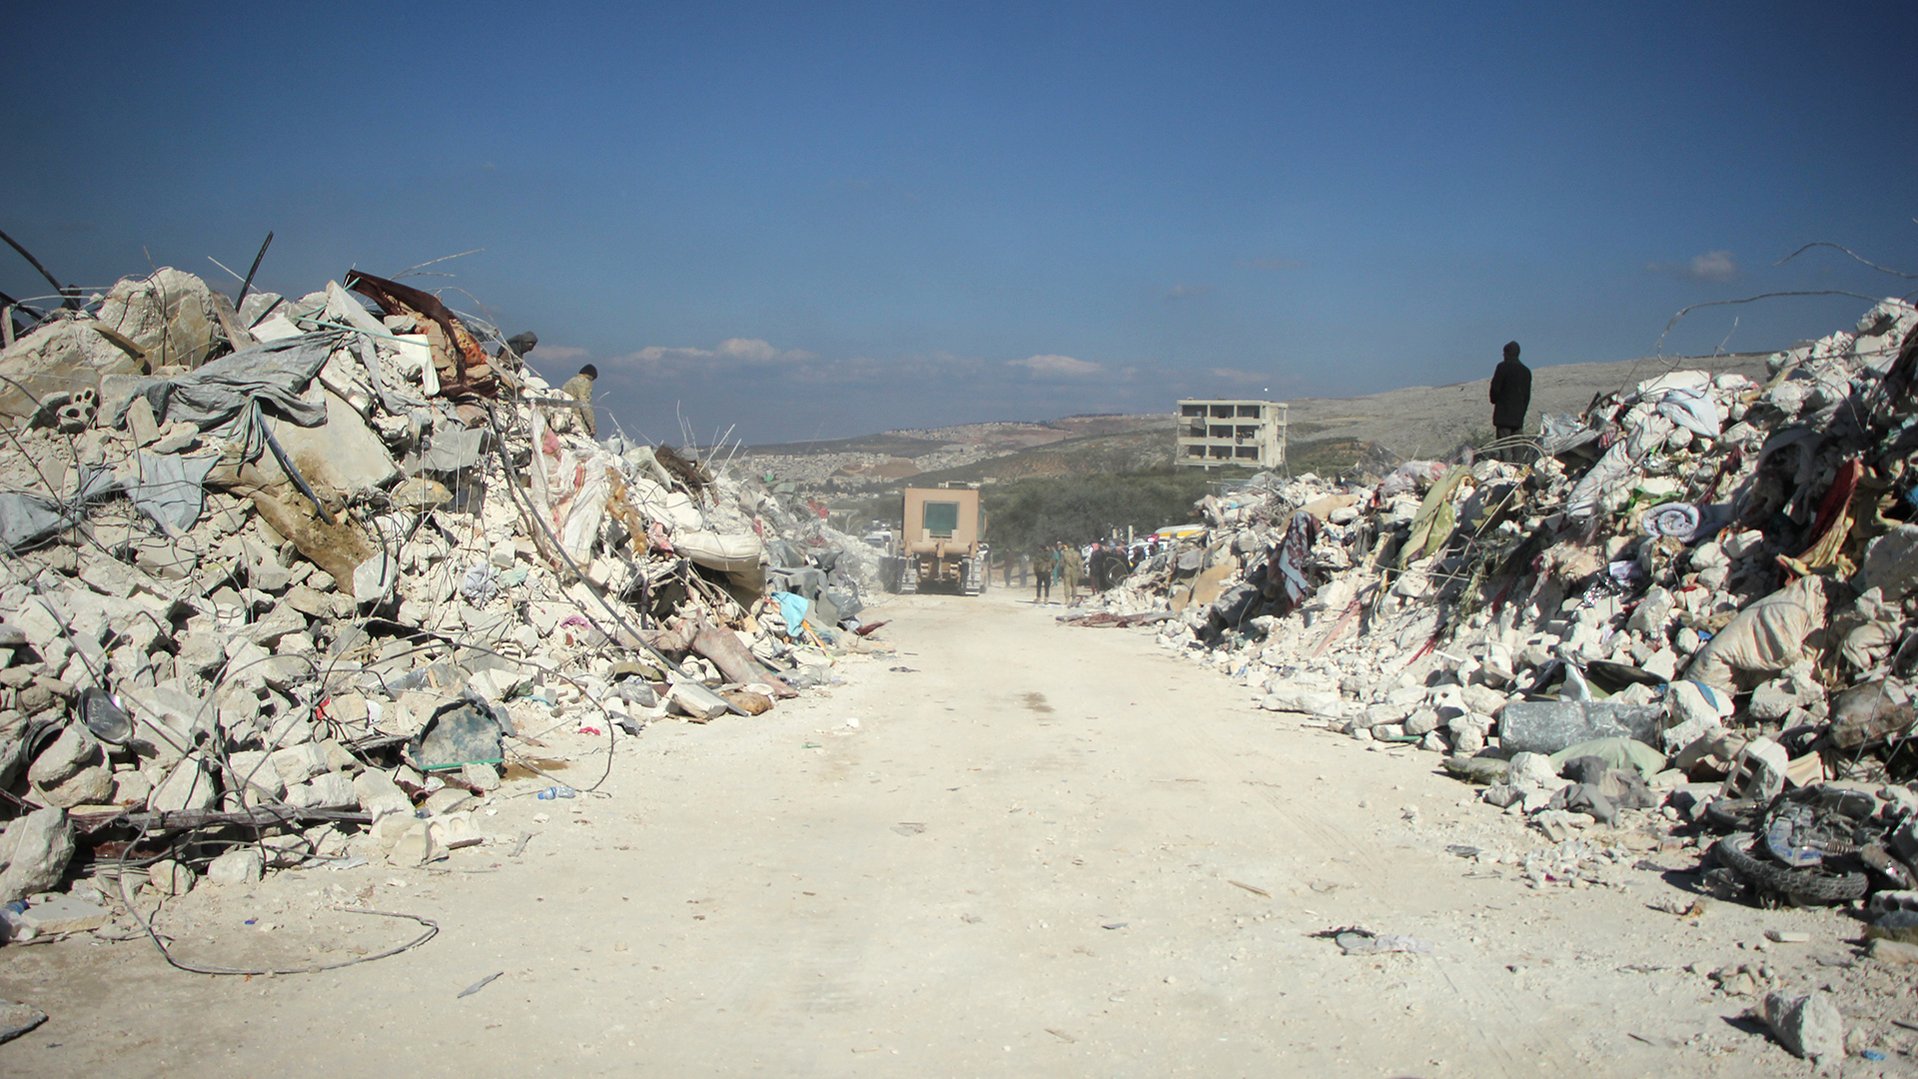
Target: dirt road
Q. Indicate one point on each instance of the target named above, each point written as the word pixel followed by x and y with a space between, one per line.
pixel 1008 848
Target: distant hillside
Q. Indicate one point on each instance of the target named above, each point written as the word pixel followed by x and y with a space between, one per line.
pixel 972 452
pixel 1429 421
pixel 1327 434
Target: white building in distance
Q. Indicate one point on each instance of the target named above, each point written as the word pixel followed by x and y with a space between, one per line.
pixel 1246 434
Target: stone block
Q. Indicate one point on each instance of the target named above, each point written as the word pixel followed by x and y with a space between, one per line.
pixel 1893 953
pixel 130 788
pixel 277 623
pixel 379 796
pixel 168 877
pixel 308 601
pixel 167 719
pixel 414 844
pixel 241 865
pixel 482 776
pixel 262 779
pixel 1468 736
pixel 339 758
pixel 34 852
pixel 329 791
pixel 446 800
pixel 187 786
pixel 343 454
pixel 1482 699
pixel 1406 697
pixel 1422 722
pixel 1808 1025
pixel 1891 563
pixel 1378 715
pixel 456 830
pixel 1653 613
pixel 387 830
pixel 1533 770
pixel 246 663
pixel 1772 701
pixel 297 764
pixel 92 785
pixel 1675 738
pixel 75 749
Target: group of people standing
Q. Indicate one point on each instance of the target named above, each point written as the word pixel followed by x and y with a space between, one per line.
pixel 1062 565
pixel 1058 564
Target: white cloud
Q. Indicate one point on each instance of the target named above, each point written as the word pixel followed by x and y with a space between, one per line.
pixel 1183 291
pixel 1710 266
pixel 733 351
pixel 545 353
pixel 1234 375
pixel 1714 266
pixel 1053 366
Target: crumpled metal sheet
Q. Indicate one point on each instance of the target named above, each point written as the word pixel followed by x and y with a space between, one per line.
pixel 472 373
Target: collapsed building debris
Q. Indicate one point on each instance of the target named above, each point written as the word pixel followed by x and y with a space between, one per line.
pixel 1693 604
pixel 292 582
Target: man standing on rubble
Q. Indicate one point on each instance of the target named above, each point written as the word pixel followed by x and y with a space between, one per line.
pixel 580 388
pixel 1511 396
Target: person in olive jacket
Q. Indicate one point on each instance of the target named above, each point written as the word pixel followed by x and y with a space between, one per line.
pixel 1511 394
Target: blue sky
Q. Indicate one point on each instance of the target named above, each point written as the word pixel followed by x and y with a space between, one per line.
pixel 804 221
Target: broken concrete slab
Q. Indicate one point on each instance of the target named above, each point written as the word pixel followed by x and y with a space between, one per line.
pixel 57 915
pixel 695 701
pixel 343 456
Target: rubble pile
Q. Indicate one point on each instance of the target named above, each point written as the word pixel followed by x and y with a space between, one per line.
pixel 291 579
pixel 1701 590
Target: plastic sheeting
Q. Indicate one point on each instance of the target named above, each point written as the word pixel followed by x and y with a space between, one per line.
pixel 793 609
pixel 223 395
pixel 28 520
pixel 170 489
pixel 1694 410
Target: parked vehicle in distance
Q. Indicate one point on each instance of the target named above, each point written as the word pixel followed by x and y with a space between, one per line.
pixel 941 544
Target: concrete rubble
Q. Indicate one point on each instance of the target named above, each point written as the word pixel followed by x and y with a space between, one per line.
pixel 1689 611
pixel 296 580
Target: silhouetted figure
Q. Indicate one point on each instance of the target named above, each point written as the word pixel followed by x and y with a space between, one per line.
pixel 1511 396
